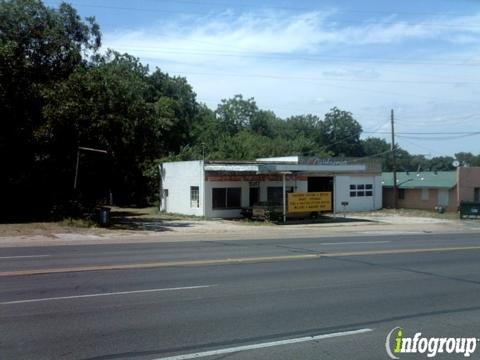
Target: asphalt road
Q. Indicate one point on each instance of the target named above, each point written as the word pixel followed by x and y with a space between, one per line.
pixel 326 298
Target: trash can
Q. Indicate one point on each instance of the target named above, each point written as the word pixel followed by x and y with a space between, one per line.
pixel 104 216
pixel 469 209
pixel 439 209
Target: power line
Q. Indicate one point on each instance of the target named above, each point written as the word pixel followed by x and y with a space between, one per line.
pixel 432 133
pixel 466 26
pixel 441 121
pixel 336 79
pixel 371 156
pixel 432 152
pixel 300 8
pixel 309 80
pixel 286 56
pixel 439 138
pixel 348 137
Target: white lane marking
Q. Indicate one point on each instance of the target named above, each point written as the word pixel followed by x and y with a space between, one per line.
pixel 263 345
pixel 355 242
pixel 104 294
pixel 22 256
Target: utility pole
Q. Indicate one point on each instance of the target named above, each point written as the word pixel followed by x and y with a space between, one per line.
pixel 81 148
pixel 394 163
pixel 75 181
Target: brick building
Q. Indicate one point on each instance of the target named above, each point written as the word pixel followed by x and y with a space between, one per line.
pixel 425 190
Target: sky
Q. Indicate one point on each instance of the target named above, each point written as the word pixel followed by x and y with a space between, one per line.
pixel 420 58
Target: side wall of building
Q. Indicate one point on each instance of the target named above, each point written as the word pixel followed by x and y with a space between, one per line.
pixel 177 180
pixel 343 193
pixel 468 178
pixel 423 199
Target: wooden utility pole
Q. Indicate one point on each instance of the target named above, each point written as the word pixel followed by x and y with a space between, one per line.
pixel 394 163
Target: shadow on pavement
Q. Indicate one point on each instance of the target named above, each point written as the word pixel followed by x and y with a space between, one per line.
pixel 138 220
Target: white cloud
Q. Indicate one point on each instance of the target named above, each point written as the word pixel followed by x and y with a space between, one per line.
pixel 305 63
pixel 278 33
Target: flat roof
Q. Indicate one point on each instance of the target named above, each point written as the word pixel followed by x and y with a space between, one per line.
pixel 276 168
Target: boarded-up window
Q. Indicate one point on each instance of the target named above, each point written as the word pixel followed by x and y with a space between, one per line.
pixel 443 197
pixel 275 194
pixel 425 194
pixel 226 198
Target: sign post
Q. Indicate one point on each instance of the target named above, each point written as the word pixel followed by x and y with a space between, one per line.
pixel 284 198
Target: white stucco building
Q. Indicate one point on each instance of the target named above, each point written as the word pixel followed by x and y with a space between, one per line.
pixel 220 189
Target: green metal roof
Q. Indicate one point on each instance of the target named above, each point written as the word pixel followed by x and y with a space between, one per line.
pixel 424 179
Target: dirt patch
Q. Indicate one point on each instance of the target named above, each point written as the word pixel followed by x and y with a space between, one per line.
pixel 147 225
pixel 406 213
pixel 41 228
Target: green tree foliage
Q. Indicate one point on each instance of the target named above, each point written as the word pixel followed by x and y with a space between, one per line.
pixel 57 93
pixel 375 146
pixel 309 126
pixel 235 114
pixel 38 46
pixel 442 163
pixel 102 106
pixel 467 159
pixel 116 105
pixel 341 132
pixel 264 123
pixel 238 129
pixel 175 110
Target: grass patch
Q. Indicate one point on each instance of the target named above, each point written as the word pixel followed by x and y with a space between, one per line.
pixel 148 213
pixel 246 221
pixel 78 223
pixel 451 215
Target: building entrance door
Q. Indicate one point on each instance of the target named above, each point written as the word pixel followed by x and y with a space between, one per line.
pixel 254 196
pixel 321 184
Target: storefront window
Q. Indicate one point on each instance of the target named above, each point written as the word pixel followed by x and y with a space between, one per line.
pixel 226 198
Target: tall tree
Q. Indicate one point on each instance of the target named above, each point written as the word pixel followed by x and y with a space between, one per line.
pixel 38 46
pixel 235 114
pixel 176 109
pixel 309 126
pixel 264 123
pixel 118 106
pixel 467 159
pixel 341 133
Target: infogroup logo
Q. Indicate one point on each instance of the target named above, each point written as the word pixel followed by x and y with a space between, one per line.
pixel 397 343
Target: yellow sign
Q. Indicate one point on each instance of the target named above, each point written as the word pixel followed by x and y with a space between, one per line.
pixel 309 202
